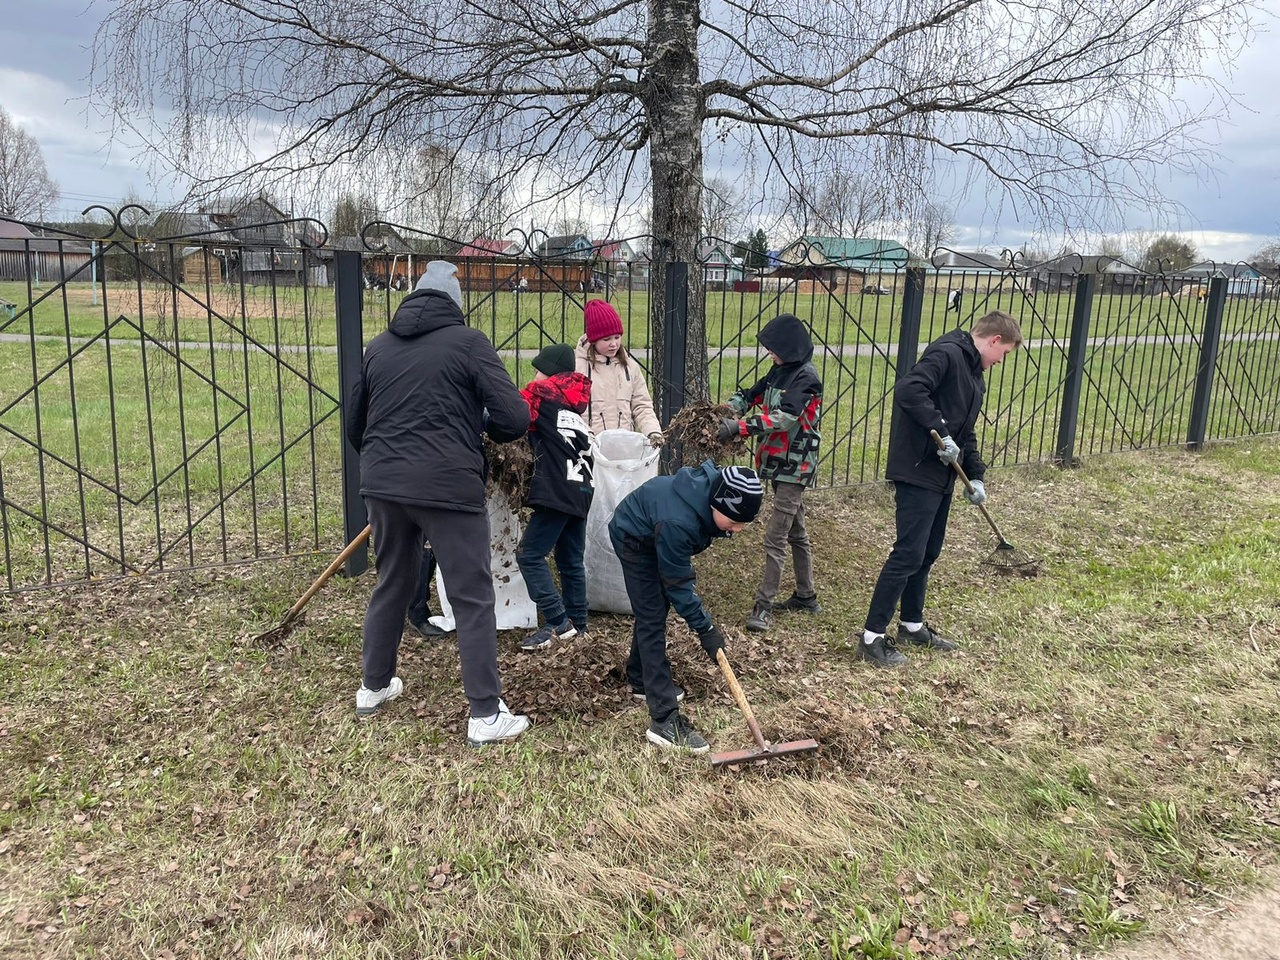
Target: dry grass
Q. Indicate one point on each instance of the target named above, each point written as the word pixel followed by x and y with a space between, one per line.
pixel 1105 749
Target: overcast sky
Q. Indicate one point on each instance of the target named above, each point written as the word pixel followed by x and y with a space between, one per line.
pixel 44 85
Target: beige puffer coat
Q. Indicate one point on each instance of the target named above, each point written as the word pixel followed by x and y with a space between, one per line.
pixel 620 398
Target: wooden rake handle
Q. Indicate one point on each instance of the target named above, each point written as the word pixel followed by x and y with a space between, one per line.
pixel 333 568
pixel 740 699
pixel 955 465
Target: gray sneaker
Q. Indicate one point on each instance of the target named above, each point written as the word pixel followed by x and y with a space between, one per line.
pixel 800 604
pixel 761 618
pixel 881 652
pixel 925 637
pixel 677 734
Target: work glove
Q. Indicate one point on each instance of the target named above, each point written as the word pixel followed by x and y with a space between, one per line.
pixel 948 453
pixel 712 640
pixel 977 496
pixel 656 439
pixel 729 429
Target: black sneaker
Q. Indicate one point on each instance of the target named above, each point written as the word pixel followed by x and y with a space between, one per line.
pixel 542 639
pixel 761 618
pixel 925 637
pixel 638 693
pixel 881 652
pixel 426 628
pixel 800 604
pixel 677 734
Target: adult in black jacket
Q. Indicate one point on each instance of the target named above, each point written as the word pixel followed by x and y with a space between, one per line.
pixel 943 392
pixel 429 387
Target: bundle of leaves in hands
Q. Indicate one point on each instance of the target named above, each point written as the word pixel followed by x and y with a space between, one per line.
pixel 510 469
pixel 695 427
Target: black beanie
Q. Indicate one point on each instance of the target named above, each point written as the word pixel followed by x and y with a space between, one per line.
pixel 738 494
pixel 553 359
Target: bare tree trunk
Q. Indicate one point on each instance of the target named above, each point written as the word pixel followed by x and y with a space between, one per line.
pixel 674 105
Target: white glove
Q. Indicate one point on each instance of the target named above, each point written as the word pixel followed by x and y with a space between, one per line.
pixel 656 439
pixel 979 494
pixel 948 453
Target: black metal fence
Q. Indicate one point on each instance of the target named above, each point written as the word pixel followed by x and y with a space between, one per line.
pixel 174 401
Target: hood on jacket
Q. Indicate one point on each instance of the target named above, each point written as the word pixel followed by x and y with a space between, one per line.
pixel 572 390
pixel 786 336
pixel 694 487
pixel 964 340
pixel 424 311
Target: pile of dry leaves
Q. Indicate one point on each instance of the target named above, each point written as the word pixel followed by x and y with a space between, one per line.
pixel 510 469
pixel 693 433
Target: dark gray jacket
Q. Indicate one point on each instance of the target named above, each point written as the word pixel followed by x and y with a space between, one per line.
pixel 417 413
pixel 943 392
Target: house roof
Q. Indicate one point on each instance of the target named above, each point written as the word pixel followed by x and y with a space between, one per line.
pixel 609 249
pixel 566 243
pixel 15 236
pixel 194 225
pixel 487 247
pixel 1207 268
pixel 967 260
pixel 1078 263
pixel 854 252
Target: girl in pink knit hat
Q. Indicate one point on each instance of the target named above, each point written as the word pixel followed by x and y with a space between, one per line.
pixel 620 398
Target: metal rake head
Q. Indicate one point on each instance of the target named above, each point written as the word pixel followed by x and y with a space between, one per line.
pixel 1008 560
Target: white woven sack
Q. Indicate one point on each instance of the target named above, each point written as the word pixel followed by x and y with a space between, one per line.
pixel 510 596
pixel 624 460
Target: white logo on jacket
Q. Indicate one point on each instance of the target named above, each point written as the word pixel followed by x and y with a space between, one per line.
pixel 571 426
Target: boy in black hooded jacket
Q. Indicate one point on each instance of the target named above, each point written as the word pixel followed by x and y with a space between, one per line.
pixel 560 495
pixel 942 392
pixel 790 400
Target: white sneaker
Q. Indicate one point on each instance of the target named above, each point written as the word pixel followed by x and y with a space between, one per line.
pixel 368 701
pixel 503 725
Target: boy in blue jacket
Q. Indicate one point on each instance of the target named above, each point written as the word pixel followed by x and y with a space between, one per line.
pixel 656 531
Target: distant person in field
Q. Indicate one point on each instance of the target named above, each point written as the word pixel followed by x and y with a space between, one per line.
pixel 942 392
pixel 953 302
pixel 416 415
pixel 620 398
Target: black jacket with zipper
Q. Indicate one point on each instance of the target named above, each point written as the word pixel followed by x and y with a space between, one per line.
pixel 418 410
pixel 943 392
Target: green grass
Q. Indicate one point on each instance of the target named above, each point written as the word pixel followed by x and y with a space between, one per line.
pixel 301 315
pixel 1104 751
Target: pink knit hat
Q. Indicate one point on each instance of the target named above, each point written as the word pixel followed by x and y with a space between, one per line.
pixel 602 320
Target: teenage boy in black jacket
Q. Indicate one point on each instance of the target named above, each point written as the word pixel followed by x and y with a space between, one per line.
pixel 943 392
pixel 560 495
pixel 416 415
pixel 655 531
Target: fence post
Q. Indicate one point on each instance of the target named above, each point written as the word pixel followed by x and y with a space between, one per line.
pixel 675 308
pixel 348 296
pixel 1199 423
pixel 912 311
pixel 908 335
pixel 1073 382
pixel 670 365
